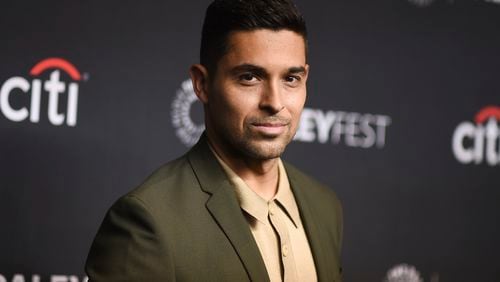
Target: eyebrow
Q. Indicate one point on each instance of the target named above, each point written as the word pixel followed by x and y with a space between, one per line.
pixel 248 68
pixel 261 71
pixel 297 70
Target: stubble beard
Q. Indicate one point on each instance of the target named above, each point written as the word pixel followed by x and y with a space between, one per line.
pixel 258 147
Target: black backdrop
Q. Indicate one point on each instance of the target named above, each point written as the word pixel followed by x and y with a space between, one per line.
pixel 392 84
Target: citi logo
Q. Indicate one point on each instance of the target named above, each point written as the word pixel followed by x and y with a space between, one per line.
pixel 54 86
pixel 478 142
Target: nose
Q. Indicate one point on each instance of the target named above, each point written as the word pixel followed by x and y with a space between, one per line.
pixel 271 99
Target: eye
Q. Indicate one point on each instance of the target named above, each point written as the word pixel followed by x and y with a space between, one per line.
pixel 292 80
pixel 248 78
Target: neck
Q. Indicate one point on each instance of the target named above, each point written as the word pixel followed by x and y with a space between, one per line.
pixel 260 175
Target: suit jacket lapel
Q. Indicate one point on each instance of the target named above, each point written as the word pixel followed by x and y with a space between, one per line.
pixel 225 209
pixel 311 225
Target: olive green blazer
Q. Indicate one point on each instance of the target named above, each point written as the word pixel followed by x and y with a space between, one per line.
pixel 184 223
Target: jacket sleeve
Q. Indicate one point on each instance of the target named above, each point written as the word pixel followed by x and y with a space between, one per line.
pixel 128 247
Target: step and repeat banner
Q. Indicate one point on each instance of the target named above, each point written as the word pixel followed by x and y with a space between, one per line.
pixel 402 122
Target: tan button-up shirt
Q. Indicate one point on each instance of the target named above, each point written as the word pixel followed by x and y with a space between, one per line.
pixel 277 228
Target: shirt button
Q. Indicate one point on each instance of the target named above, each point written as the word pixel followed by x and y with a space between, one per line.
pixel 284 250
pixel 271 210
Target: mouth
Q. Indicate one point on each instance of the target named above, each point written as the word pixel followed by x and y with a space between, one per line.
pixel 271 129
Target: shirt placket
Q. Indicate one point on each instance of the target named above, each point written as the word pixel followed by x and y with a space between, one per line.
pixel 286 252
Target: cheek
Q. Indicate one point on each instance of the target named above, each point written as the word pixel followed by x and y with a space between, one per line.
pixel 296 103
pixel 242 101
pixel 232 108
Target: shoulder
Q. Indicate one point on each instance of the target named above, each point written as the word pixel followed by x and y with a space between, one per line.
pixel 169 188
pixel 164 178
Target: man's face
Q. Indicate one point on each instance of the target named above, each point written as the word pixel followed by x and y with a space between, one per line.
pixel 257 93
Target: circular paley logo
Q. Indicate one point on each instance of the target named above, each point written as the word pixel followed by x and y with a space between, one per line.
pixel 185 128
pixel 403 273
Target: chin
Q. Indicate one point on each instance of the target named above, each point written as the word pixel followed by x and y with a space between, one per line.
pixel 264 150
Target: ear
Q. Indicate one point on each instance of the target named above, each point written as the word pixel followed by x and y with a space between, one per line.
pixel 199 77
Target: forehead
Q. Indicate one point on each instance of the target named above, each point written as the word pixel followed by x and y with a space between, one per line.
pixel 265 47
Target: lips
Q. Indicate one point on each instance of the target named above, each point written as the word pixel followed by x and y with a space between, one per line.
pixel 269 124
pixel 270 128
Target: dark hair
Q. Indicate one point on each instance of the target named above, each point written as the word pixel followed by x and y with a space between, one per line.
pixel 225 16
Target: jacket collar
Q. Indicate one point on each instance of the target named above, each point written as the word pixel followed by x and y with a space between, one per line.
pixel 224 208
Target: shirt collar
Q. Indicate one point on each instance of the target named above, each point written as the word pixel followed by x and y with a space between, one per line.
pixel 285 197
pixel 255 205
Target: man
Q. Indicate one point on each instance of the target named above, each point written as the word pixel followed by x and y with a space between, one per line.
pixel 230 209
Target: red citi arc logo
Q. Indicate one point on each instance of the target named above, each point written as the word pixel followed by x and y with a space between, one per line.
pixel 53 86
pixel 478 142
pixel 487 113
